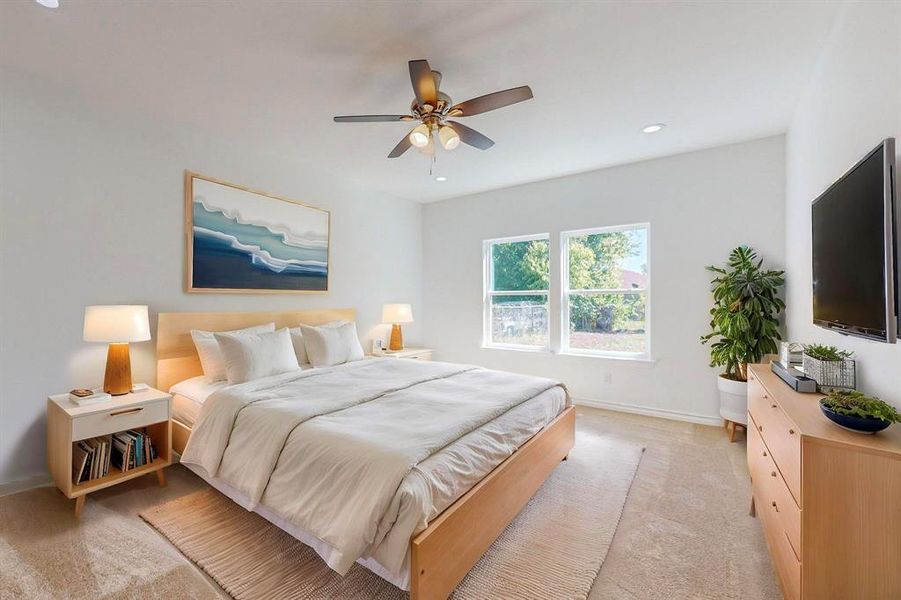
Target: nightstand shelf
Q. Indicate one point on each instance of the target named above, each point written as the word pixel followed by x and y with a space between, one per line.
pixel 68 423
pixel 119 476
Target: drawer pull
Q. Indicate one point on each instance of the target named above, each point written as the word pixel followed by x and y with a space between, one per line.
pixel 764 452
pixel 791 432
pixel 773 406
pixel 765 396
pixel 760 427
pixel 773 473
pixel 774 506
pixel 127 411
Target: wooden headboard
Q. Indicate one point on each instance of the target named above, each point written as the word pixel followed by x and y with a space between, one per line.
pixel 176 356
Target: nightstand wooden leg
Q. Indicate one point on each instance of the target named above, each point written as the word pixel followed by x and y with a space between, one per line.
pixel 161 477
pixel 79 504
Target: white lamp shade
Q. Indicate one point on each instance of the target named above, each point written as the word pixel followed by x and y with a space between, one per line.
pixel 397 313
pixel 116 323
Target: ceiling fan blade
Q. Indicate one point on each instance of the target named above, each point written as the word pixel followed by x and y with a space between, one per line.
pixel 372 118
pixel 423 82
pixel 471 136
pixel 491 102
pixel 401 147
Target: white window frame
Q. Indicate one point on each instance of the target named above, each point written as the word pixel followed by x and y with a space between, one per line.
pixel 565 293
pixel 488 293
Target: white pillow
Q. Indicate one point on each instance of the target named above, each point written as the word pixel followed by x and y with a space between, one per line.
pixel 332 344
pixel 299 348
pixel 208 349
pixel 250 356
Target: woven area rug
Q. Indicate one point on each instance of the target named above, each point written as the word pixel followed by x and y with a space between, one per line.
pixel 553 549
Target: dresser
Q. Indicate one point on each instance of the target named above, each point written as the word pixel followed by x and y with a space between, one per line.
pixel 828 499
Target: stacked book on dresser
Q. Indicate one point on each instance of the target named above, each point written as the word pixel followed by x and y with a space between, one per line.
pixel 125 450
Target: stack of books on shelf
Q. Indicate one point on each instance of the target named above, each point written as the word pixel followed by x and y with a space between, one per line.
pixel 126 450
pixel 91 458
pixel 132 449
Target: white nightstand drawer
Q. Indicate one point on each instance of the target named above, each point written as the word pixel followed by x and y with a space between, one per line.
pixel 119 419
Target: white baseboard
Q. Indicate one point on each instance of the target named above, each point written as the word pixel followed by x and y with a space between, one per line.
pixel 20 485
pixel 651 412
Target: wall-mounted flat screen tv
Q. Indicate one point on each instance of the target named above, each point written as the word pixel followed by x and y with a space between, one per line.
pixel 855 227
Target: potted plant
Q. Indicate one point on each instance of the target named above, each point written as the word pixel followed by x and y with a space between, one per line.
pixel 858 412
pixel 744 325
pixel 829 366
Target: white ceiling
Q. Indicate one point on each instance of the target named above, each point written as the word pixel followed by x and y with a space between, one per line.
pixel 272 74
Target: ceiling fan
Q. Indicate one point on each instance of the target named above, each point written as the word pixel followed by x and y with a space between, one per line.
pixel 432 108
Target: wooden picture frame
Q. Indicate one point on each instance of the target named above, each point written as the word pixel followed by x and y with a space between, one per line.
pixel 222 262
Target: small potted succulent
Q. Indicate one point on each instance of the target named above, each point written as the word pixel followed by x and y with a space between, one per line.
pixel 858 412
pixel 830 367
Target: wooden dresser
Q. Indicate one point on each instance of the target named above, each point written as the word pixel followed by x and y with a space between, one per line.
pixel 829 500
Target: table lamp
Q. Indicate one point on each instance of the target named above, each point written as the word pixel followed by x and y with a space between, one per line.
pixel 117 325
pixel 395 314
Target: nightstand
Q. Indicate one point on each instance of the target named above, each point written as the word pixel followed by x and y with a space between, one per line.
pixel 68 423
pixel 416 353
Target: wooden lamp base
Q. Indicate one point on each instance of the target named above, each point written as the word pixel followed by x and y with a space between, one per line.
pixel 117 380
pixel 397 338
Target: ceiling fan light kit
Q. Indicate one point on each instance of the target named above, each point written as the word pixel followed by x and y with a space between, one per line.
pixel 420 136
pixel 431 108
pixel 450 139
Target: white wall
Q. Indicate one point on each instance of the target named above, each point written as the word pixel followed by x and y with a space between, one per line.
pixel 851 104
pixel 700 205
pixel 92 213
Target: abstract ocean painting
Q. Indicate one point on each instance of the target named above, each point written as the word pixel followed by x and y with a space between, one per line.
pixel 245 241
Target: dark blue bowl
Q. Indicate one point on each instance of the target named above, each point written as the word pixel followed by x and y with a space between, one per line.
pixel 857 424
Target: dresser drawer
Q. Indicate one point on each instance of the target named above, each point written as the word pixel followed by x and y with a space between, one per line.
pixel 773 491
pixel 96 424
pixel 787 565
pixel 779 434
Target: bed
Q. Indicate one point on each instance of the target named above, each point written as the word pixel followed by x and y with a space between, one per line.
pixel 426 509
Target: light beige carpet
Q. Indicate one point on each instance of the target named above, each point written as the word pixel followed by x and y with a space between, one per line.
pixel 46 553
pixel 553 549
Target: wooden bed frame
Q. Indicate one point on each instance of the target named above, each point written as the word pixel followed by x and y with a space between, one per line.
pixel 442 554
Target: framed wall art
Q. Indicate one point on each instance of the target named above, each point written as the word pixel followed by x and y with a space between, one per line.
pixel 244 241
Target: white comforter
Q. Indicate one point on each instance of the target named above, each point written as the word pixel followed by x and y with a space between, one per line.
pixel 327 449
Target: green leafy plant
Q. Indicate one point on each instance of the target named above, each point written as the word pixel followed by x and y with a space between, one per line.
pixel 826 353
pixel 857 404
pixel 744 319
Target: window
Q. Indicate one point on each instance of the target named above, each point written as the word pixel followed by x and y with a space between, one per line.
pixel 606 291
pixel 517 272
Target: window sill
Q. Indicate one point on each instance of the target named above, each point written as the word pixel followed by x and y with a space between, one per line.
pixel 640 359
pixel 516 348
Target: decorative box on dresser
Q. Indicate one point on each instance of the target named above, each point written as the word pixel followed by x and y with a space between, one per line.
pixel 829 500
pixel 68 423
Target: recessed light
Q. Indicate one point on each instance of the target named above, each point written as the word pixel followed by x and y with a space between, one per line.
pixel 653 128
pixel 48 3
pixel 441 178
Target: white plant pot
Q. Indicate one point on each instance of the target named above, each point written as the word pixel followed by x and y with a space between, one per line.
pixel 733 400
